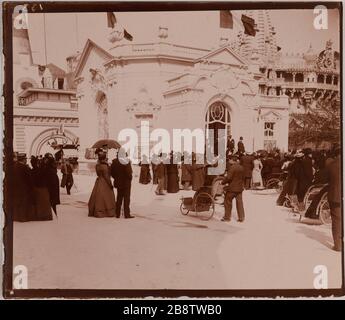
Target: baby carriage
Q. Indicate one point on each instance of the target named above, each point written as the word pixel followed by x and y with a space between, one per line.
pixel 204 200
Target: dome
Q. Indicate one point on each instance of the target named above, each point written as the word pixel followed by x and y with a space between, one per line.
pixel 310 56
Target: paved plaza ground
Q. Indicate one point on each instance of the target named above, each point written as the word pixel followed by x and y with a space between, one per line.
pixel 161 249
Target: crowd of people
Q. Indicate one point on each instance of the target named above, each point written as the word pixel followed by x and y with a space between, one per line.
pixel 37 189
pixel 306 168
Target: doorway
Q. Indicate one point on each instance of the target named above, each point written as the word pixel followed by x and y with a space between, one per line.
pixel 217 119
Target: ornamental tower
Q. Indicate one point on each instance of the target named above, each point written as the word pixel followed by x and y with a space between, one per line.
pixel 264 43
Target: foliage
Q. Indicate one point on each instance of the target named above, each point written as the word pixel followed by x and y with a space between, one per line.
pixel 318 124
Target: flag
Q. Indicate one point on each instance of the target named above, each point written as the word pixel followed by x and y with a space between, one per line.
pixel 249 25
pixel 111 19
pixel 127 35
pixel 112 22
pixel 226 20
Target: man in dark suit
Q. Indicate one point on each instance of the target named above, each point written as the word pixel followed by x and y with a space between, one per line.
pixel 230 145
pixel 121 171
pixel 240 147
pixel 247 162
pixel 334 199
pixel 234 179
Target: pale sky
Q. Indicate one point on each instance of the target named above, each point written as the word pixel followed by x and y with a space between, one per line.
pixel 67 32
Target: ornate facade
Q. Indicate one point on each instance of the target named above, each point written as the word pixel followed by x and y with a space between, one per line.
pixel 45 109
pixel 307 79
pixel 172 86
pixel 245 86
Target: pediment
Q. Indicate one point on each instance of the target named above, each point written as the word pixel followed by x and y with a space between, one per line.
pixel 271 116
pixel 93 55
pixel 223 55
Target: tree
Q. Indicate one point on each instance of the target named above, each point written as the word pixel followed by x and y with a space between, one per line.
pixel 318 124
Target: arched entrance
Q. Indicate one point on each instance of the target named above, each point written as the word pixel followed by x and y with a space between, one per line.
pixel 45 141
pixel 217 118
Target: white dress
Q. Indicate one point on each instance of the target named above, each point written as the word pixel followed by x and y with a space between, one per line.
pixel 256 175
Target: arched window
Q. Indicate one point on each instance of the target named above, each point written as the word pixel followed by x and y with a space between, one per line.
pixel 299 77
pixel 218 118
pixel 320 78
pixel 329 79
pixel 269 129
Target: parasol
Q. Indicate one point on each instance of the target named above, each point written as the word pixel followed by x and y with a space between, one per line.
pixel 106 144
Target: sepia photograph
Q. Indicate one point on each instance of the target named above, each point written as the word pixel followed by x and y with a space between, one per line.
pixel 173 148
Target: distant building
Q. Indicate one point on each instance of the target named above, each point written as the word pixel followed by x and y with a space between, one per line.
pixel 173 86
pixel 245 86
pixel 45 110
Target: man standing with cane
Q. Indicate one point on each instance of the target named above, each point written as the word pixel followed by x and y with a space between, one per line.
pixel 121 171
pixel 235 181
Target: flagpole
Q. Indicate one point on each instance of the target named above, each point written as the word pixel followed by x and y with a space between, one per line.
pixel 77 32
pixel 45 38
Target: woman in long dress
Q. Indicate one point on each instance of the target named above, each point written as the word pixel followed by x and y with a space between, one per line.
pixel 198 173
pixel 50 172
pixel 145 175
pixel 23 191
pixel 102 200
pixel 172 174
pixel 43 210
pixel 256 175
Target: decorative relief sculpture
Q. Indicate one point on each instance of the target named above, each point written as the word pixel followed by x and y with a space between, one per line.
pixel 327 57
pixel 143 104
pixel 224 79
pixel 97 79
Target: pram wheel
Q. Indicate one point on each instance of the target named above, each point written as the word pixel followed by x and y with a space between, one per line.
pixel 183 209
pixel 274 183
pixel 204 206
pixel 324 210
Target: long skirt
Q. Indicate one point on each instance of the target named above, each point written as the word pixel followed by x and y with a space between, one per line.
pixel 23 209
pixel 43 210
pixel 257 178
pixel 186 175
pixel 198 178
pixel 145 175
pixel 173 182
pixel 102 200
